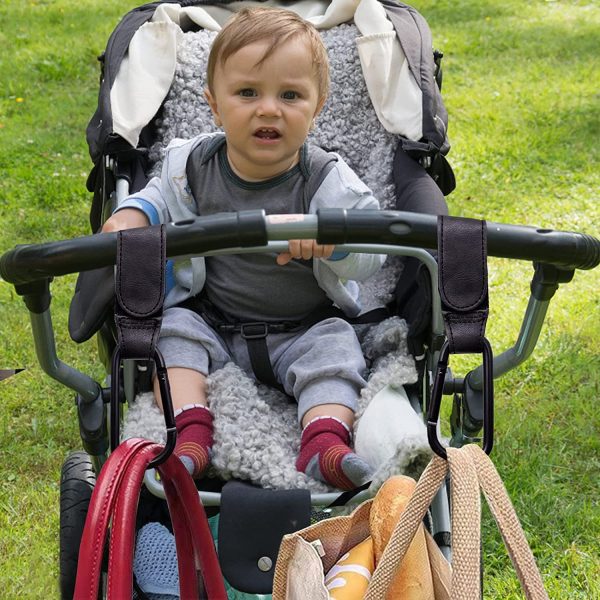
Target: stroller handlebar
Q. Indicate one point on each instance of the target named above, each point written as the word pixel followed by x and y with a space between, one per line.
pixel 33 262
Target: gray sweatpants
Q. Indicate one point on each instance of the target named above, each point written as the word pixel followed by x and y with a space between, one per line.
pixel 321 365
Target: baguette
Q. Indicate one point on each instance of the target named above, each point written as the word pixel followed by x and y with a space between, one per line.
pixel 413 580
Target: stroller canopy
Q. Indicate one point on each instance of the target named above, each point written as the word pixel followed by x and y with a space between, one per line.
pixel 394 48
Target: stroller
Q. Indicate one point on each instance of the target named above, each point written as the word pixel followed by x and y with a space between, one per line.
pixel 121 166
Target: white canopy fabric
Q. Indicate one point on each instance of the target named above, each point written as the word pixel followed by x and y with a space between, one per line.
pixel 146 72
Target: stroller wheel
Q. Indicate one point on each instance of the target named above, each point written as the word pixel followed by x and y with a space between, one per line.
pixel 76 485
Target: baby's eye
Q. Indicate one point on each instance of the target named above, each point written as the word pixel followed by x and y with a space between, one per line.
pixel 247 93
pixel 290 95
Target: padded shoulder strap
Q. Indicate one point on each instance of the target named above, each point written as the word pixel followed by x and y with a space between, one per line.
pixel 202 153
pixel 318 165
pixel 415 39
pixel 414 36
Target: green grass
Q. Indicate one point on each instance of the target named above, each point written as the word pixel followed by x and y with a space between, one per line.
pixel 521 86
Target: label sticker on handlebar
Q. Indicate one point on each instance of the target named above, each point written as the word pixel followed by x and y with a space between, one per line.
pixel 285 218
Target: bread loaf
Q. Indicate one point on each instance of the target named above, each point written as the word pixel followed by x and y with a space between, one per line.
pixel 412 580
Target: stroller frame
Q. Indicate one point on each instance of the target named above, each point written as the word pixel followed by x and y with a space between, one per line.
pixel 556 255
pixel 91 411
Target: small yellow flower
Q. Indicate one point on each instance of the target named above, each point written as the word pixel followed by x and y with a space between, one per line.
pixel 18 99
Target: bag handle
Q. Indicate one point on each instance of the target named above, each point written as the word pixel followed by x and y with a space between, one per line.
pixel 122 534
pixel 465 527
pixel 508 522
pixel 115 498
pixel 182 498
pixel 471 469
pixel 100 510
pixel 193 540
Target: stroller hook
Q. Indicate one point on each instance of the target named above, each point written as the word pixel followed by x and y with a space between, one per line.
pixel 488 399
pixel 167 403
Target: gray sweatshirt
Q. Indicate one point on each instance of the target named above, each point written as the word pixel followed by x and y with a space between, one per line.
pixel 169 199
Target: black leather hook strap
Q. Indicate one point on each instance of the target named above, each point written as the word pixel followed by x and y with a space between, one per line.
pixel 140 290
pixel 462 281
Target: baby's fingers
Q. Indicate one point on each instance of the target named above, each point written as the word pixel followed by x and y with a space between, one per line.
pixel 300 249
pixel 322 251
pixel 307 249
pixel 304 249
pixel 294 251
pixel 284 258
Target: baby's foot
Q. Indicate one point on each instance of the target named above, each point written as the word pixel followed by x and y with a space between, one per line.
pixel 194 424
pixel 325 455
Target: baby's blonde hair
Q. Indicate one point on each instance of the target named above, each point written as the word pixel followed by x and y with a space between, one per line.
pixel 274 25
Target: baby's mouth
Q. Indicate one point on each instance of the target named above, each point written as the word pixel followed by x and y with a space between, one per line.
pixel 267 133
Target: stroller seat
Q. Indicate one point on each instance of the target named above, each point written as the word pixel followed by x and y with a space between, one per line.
pixel 348 124
pixel 244 445
pixel 247 445
pixel 256 431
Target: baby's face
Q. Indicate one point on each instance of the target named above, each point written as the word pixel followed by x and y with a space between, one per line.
pixel 265 110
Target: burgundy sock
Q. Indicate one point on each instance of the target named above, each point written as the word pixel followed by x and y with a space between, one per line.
pixel 194 437
pixel 325 454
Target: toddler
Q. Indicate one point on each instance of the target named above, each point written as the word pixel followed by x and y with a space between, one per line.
pixel 267 81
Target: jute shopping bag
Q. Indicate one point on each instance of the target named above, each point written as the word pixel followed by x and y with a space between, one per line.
pixel 300 569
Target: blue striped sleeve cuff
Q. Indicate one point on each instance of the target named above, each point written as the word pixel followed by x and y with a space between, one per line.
pixel 143 205
pixel 338 256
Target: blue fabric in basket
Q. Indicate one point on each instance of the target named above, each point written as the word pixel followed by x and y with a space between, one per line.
pixel 155 564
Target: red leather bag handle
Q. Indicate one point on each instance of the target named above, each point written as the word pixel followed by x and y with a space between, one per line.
pixel 184 502
pixel 115 500
pixel 122 533
pixel 98 517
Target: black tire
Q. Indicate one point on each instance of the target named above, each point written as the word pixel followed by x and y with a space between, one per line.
pixel 77 482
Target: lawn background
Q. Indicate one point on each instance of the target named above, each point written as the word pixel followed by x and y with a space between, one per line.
pixel 522 89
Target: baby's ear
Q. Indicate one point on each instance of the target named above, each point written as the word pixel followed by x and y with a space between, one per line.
pixel 213 106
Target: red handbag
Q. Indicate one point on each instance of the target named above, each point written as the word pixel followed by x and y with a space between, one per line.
pixel 114 502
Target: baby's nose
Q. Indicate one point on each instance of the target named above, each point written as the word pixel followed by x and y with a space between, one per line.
pixel 268 106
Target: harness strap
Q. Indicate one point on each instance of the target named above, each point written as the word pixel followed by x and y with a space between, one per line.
pixel 255 333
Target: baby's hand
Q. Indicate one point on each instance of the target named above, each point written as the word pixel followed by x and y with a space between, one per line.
pixel 128 218
pixel 304 249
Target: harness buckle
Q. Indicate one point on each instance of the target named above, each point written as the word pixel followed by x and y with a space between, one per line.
pixel 254 331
